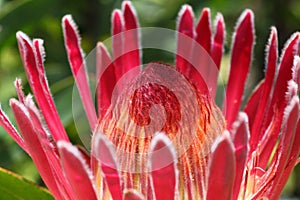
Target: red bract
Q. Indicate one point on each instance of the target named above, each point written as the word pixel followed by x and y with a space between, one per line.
pixel 163 137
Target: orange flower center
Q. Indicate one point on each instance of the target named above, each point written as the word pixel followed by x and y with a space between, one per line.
pixel 160 99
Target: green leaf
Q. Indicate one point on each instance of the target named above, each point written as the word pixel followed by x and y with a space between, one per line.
pixel 13 187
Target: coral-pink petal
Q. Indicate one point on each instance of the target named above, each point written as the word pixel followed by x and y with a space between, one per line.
pixel 201 53
pixel 241 136
pixel 218 40
pixel 268 142
pixel 105 78
pixel 253 102
pixel 34 146
pixel 79 177
pixel 203 30
pixel 11 130
pixel 39 86
pixel 241 56
pixel 264 102
pixel 163 168
pixel 75 55
pixel 19 90
pixel 295 151
pixel 284 75
pixel 118 42
pixel 189 52
pixel 49 149
pixel 221 170
pixel 217 50
pixel 289 126
pixel 104 152
pixel 185 28
pixel 132 57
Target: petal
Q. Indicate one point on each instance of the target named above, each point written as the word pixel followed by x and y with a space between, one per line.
pixel 289 126
pixel 259 125
pixel 32 60
pixel 221 170
pixel 106 79
pixel 284 157
pixel 104 152
pixel 162 162
pixel 118 41
pixel 203 30
pixel 132 57
pixel 217 51
pixel 190 56
pixel 49 148
pixel 205 64
pixel 70 156
pixel 278 101
pixel 185 28
pixel 253 102
pixel 78 66
pixel 34 146
pixel 218 40
pixel 240 132
pixel 11 130
pixel 19 90
pixel 241 56
pixel 293 160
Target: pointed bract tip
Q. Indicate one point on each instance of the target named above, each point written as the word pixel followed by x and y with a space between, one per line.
pixel 247 16
pixel 13 101
pixel 273 30
pixel 99 141
pixel 67 146
pixel 242 117
pixel 39 43
pixel 161 147
pixel 116 15
pixel 127 4
pixel 67 18
pixel 63 145
pixel 220 139
pixel 128 7
pixel 68 22
pixel 186 11
pixel 185 20
pixel 219 24
pixel 22 36
pixel 18 82
pixel 161 138
pixel 219 19
pixel 294 38
pixel 22 39
pixel 272 37
pixel 205 12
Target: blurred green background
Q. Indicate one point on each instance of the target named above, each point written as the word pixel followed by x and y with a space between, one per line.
pixel 42 18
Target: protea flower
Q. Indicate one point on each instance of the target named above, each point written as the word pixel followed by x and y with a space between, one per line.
pixel 163 137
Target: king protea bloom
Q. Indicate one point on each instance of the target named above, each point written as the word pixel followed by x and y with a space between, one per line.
pixel 165 141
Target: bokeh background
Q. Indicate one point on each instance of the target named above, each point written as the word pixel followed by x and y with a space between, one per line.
pixel 42 18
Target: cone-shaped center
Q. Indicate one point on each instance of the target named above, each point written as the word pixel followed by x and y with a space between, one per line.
pixel 160 99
